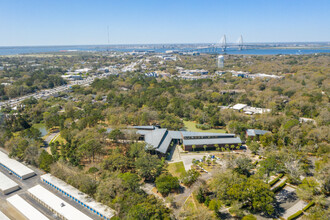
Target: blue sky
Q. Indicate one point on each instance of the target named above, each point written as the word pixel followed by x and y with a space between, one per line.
pixel 77 22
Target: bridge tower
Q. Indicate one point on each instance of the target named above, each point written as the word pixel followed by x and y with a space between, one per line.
pixel 240 43
pixel 223 43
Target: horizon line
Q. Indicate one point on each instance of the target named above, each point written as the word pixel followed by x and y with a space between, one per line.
pixel 121 44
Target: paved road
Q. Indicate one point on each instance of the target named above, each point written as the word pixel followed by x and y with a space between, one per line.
pixel 295 208
pixel 181 198
pixel 49 92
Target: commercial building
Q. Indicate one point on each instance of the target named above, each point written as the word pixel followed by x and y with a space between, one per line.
pixel 220 61
pixel 160 139
pixel 198 140
pixel 3 216
pixel 250 110
pixel 25 208
pixel 16 168
pixel 255 133
pixel 7 185
pixel 58 206
pixel 81 198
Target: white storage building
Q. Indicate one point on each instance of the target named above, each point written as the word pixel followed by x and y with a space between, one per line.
pixel 81 198
pixel 19 170
pixel 25 208
pixel 3 216
pixel 7 185
pixel 58 206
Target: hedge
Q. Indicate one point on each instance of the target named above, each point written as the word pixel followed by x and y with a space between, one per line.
pixel 272 183
pixel 275 190
pixel 295 215
pixel 308 206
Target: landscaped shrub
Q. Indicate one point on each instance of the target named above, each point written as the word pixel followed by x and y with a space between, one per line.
pixel 214 205
pixel 272 183
pixel 165 183
pixel 189 177
pixel 308 206
pixel 295 215
pixel 249 217
pixel 281 186
pixel 203 126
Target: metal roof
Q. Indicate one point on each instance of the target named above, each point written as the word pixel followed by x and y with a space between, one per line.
pixel 145 127
pixel 165 143
pixel 153 137
pixel 239 106
pixel 6 183
pixel 254 132
pixel 25 208
pixel 213 141
pixel 199 135
pixel 14 165
pixel 82 197
pixel 57 204
pixel 3 216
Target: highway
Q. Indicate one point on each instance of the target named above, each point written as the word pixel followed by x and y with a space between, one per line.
pixel 49 92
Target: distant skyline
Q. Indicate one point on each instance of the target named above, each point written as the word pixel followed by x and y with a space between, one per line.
pixel 84 22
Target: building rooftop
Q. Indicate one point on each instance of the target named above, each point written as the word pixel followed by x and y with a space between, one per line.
pixel 212 141
pixel 82 197
pixel 57 204
pixel 3 216
pixel 239 106
pixel 25 208
pixel 14 165
pixel 6 183
pixel 254 132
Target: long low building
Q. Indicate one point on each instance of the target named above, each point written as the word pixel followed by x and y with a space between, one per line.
pixel 81 198
pixel 58 206
pixel 19 170
pixel 25 208
pixel 7 185
pixel 3 216
pixel 160 139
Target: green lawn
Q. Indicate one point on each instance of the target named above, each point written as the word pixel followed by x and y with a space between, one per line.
pixel 190 126
pixel 176 169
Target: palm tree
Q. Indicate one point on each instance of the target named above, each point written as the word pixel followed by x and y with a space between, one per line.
pixel 194 147
pixel 223 149
pixel 238 147
pixel 205 147
pixel 232 147
pixel 227 146
pixel 217 147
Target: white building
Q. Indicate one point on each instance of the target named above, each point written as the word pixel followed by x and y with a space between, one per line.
pixel 25 208
pixel 81 198
pixel 3 216
pixel 254 110
pixel 16 168
pixel 239 106
pixel 220 61
pixel 58 206
pixel 7 185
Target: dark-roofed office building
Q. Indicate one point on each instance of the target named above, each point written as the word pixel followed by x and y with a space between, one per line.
pixel 160 139
pixel 255 133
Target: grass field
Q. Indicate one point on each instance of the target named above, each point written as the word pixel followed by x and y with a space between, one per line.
pixel 191 126
pixel 176 169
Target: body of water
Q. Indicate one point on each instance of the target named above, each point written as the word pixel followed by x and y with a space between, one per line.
pixel 260 51
pixel 42 128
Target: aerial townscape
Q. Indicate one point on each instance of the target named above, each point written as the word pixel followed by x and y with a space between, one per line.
pixel 134 125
